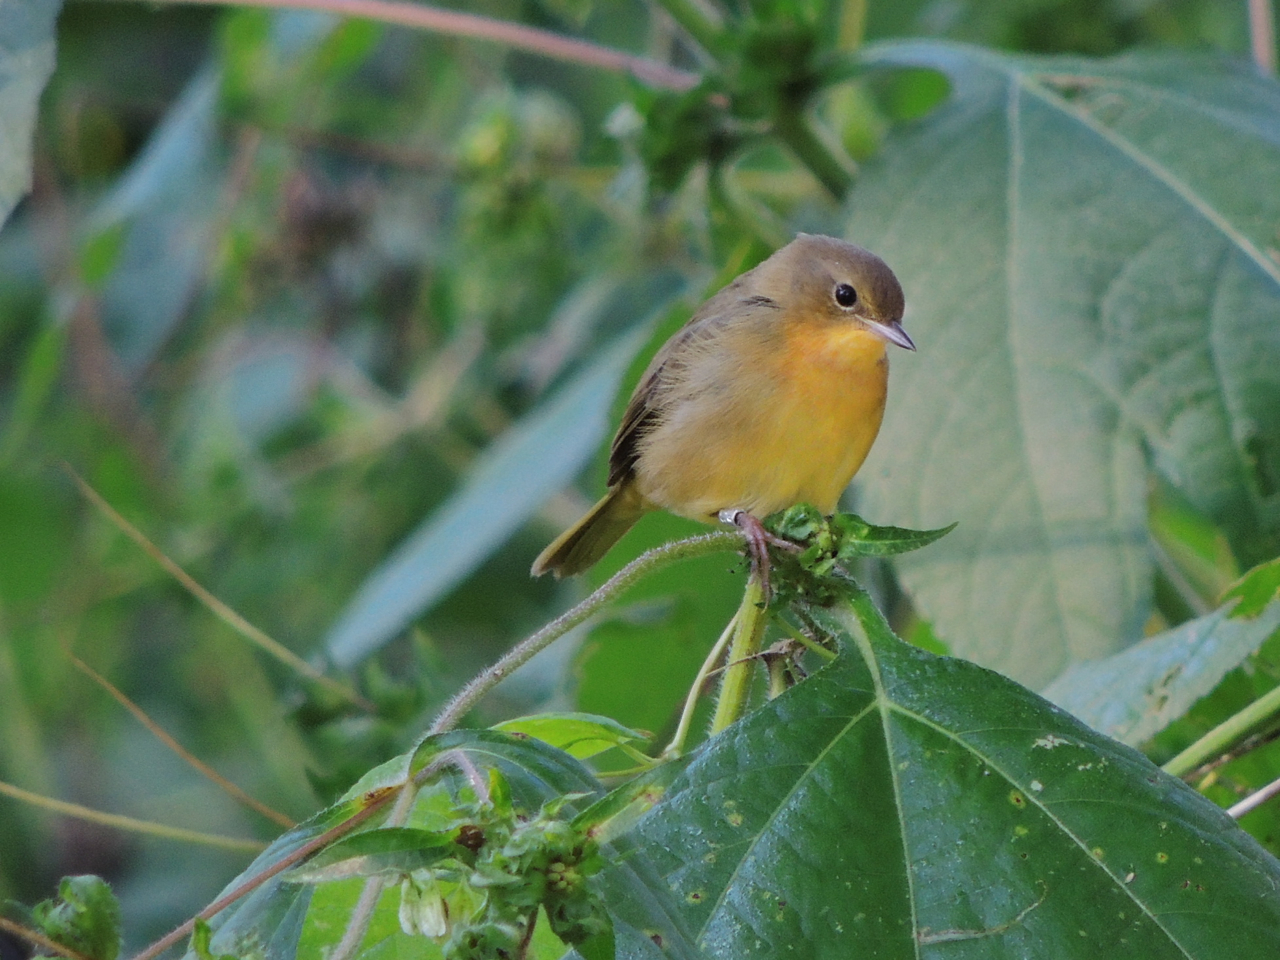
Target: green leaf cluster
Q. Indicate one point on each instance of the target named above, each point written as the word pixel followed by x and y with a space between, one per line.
pixel 85 917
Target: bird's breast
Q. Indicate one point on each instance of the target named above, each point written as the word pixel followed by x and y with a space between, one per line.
pixel 784 421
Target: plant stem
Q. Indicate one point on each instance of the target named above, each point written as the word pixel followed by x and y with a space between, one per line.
pixel 522 652
pixel 130 824
pixel 422 17
pixel 676 747
pixel 181 752
pixel 747 634
pixel 1255 800
pixel 1262 35
pixel 40 940
pixel 1230 731
pixel 853 24
pixel 795 129
pixel 362 912
pixel 376 800
pixel 697 20
pixel 811 645
pixel 211 603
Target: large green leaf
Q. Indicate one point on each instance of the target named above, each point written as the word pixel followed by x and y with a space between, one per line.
pixel 26 60
pixel 900 804
pixel 1088 251
pixel 1134 694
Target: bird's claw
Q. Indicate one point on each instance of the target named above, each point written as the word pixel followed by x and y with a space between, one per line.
pixel 758 542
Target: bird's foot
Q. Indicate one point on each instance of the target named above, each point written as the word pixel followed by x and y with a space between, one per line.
pixel 758 542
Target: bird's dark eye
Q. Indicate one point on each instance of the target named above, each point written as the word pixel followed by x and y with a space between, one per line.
pixel 846 296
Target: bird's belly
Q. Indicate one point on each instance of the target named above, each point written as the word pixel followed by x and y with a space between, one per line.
pixel 790 433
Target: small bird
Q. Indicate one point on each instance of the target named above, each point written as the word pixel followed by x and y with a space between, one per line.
pixel 771 395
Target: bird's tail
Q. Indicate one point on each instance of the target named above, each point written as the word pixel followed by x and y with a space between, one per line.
pixel 590 538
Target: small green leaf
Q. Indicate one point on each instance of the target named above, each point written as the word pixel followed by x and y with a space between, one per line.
pixel 85 917
pixel 201 936
pixel 581 735
pixel 1255 590
pixel 846 535
pixel 534 771
pixel 814 572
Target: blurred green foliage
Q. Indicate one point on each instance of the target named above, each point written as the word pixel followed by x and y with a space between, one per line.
pixel 283 279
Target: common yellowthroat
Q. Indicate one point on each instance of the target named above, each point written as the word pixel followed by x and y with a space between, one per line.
pixel 771 395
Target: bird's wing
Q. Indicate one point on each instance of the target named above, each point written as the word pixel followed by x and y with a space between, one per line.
pixel 647 405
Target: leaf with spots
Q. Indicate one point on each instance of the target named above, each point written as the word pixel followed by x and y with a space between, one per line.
pixel 903 805
pixel 1091 256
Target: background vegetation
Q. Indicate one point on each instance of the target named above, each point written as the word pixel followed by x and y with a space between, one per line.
pixel 337 313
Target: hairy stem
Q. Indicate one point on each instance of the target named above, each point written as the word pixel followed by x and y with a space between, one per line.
pixel 362 912
pixel 747 634
pixel 676 747
pixel 524 651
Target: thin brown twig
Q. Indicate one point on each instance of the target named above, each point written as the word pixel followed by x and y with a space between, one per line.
pixel 459 24
pixel 130 824
pixel 376 801
pixel 217 607
pixel 163 736
pixel 40 940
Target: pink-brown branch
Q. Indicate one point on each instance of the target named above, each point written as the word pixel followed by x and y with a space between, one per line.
pixel 456 23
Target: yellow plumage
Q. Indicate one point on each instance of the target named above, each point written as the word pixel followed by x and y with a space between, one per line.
pixel 771 395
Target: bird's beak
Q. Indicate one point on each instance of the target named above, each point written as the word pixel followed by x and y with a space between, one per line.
pixel 892 332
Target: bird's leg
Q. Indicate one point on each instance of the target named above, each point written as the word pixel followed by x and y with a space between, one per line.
pixel 758 542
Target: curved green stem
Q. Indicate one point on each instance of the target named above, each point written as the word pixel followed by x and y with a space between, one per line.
pixel 1231 731
pixel 524 651
pixel 748 632
pixel 795 129
pixel 853 24
pixel 811 645
pixel 676 747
